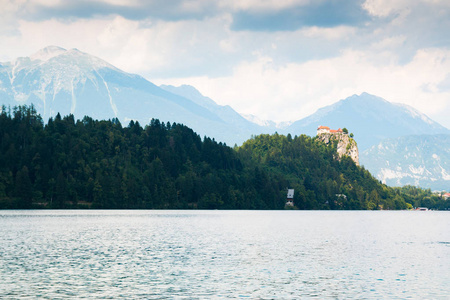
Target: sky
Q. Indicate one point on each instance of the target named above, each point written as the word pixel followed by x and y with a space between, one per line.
pixel 279 60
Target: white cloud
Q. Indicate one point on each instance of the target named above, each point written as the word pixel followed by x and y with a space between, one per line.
pixel 8 11
pixel 384 8
pixel 81 34
pixel 390 42
pixel 261 5
pixel 334 33
pixel 122 2
pixel 135 46
pixel 47 2
pixel 296 90
pixel 401 8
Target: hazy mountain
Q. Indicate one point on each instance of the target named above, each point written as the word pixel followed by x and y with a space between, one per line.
pixel 225 112
pixel 422 160
pixel 370 118
pixel 267 123
pixel 70 81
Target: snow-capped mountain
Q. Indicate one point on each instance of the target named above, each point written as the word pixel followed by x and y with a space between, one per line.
pixel 370 118
pixel 70 81
pixel 57 80
pixel 420 160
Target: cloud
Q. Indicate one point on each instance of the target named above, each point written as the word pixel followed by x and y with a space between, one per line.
pixel 261 5
pixel 424 22
pixel 443 86
pixel 8 19
pixel 329 13
pixel 132 10
pixel 247 15
pixel 151 48
pixel 384 8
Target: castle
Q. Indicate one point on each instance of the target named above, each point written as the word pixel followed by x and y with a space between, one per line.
pixel 346 145
pixel 326 129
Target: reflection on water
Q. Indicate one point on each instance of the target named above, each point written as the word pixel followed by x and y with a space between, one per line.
pixel 224 254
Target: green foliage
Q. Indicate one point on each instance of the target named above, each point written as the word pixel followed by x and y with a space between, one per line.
pixel 320 181
pixel 100 164
pixel 23 188
pixel 417 197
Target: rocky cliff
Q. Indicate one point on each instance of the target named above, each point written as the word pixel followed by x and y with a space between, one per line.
pixel 345 144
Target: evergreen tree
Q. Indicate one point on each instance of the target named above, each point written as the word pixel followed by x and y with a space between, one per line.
pixel 100 164
pixel 24 190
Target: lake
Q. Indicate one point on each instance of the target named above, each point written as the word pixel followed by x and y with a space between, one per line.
pixel 224 254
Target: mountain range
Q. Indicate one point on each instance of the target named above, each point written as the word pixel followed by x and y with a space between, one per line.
pixel 371 119
pixel 71 81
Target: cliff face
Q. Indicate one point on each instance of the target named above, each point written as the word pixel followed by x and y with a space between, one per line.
pixel 345 144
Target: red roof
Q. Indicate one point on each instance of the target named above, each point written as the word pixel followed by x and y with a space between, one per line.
pixel 323 127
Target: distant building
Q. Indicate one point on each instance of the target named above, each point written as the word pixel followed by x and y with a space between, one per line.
pixel 323 129
pixel 446 196
pixel 422 209
pixel 326 129
pixel 290 197
pixel 336 131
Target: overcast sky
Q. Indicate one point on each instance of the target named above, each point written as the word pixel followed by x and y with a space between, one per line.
pixel 277 59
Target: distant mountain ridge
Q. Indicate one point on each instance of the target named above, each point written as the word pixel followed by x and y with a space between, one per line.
pixel 419 160
pixel 224 112
pixel 370 118
pixel 267 123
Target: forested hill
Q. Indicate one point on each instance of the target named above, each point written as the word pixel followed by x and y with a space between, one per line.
pixel 320 180
pixel 101 164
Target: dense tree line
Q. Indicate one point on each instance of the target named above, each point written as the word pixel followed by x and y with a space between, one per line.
pixel 423 198
pixel 100 164
pixel 87 163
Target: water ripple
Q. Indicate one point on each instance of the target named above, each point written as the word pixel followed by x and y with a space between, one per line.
pixel 239 254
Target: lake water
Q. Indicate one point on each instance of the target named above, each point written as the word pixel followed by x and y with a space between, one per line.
pixel 224 254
